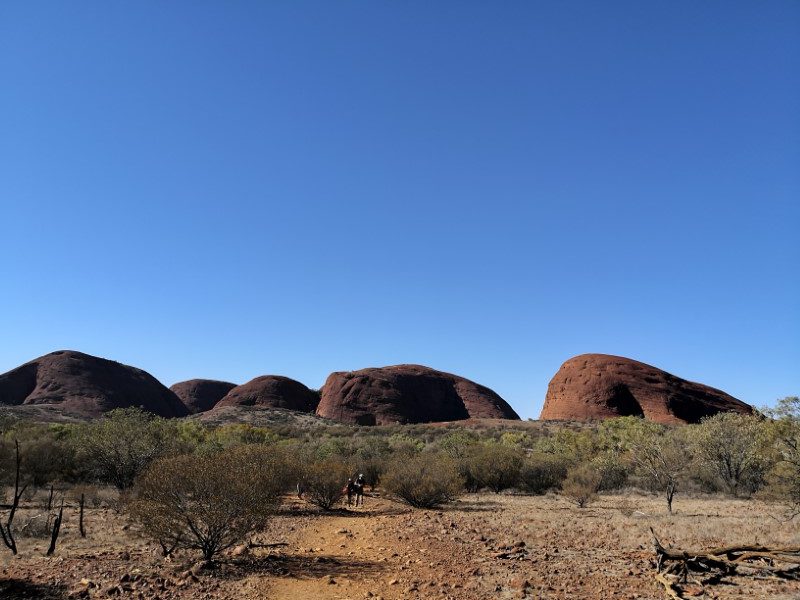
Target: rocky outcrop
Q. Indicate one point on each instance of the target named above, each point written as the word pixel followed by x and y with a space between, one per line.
pixel 200 395
pixel 600 386
pixel 86 386
pixel 407 394
pixel 272 391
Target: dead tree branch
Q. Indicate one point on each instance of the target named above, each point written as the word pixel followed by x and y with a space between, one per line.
pixel 6 532
pixel 56 529
pixel 673 567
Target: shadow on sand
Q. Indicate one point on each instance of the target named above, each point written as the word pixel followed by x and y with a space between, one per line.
pixel 19 589
pixel 469 506
pixel 311 566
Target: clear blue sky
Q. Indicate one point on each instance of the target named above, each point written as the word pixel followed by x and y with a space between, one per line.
pixel 228 189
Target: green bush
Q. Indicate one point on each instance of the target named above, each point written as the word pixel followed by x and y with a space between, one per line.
pixel 542 472
pixel 208 503
pixel 496 467
pixel 324 480
pixel 729 449
pixel 581 484
pixel 121 445
pixel 424 480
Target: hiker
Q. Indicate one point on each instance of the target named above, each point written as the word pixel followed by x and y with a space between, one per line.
pixel 359 488
pixel 350 489
pixel 301 488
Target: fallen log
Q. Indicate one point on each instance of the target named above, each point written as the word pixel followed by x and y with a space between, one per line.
pixel 673 567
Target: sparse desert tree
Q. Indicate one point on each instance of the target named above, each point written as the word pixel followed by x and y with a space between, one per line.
pixel 497 466
pixel 730 447
pixel 7 528
pixel 458 444
pixel 581 484
pixel 542 472
pixel 661 457
pixel 783 481
pixel 324 480
pixel 423 480
pixel 118 447
pixel 208 503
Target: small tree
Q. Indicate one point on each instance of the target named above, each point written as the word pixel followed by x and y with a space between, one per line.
pixel 424 480
pixel 661 457
pixel 496 466
pixel 208 503
pixel 7 530
pixel 542 472
pixel 783 481
pixel 729 446
pixel 581 484
pixel 118 447
pixel 324 481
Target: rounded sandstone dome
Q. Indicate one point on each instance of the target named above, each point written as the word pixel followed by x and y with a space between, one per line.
pixel 272 391
pixel 601 386
pixel 200 395
pixel 407 394
pixel 87 386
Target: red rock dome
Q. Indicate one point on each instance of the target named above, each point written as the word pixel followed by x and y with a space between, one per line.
pixel 407 394
pixel 600 386
pixel 200 395
pixel 272 391
pixel 86 386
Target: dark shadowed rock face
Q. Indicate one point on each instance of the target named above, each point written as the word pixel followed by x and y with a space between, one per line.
pixel 273 391
pixel 87 386
pixel 407 394
pixel 200 395
pixel 599 386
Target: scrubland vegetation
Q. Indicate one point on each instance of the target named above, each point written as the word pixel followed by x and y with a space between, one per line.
pixel 203 490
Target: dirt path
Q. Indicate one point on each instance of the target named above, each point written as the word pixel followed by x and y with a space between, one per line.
pixel 483 546
pixel 486 547
pixel 382 551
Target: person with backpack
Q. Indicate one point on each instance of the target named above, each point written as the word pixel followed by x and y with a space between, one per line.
pixel 359 488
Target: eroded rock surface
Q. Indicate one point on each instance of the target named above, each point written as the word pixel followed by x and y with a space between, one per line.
pixel 86 386
pixel 407 394
pixel 273 391
pixel 601 386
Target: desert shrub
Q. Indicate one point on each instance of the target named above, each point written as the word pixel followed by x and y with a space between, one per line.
pixel 661 458
pixel 208 503
pixel 405 443
pixel 783 479
pixel 496 467
pixel 465 466
pixel 45 456
pixel 324 479
pixel 516 439
pixel 121 445
pixel 577 446
pixel 613 470
pixel 581 484
pixel 371 455
pixel 238 434
pixel 729 447
pixel 542 472
pixel 462 446
pixel 457 444
pixel 424 480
